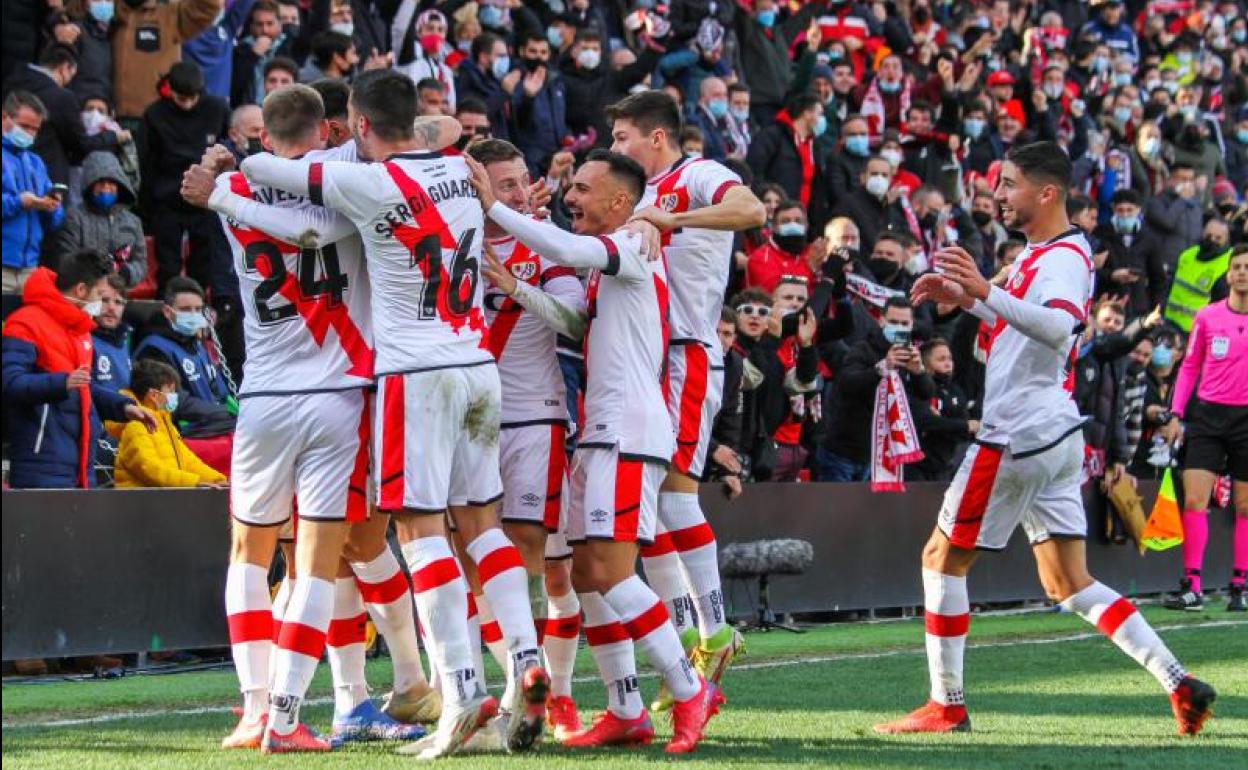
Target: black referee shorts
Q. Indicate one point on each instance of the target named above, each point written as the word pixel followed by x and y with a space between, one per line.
pixel 1217 439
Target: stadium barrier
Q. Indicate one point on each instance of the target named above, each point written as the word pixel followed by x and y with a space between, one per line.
pixel 121 571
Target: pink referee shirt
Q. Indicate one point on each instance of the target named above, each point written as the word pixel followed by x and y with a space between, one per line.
pixel 1217 355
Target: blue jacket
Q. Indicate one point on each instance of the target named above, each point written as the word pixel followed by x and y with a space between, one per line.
pixel 200 377
pixel 1119 37
pixel 471 81
pixel 540 121
pixel 213 49
pixel 24 228
pixel 713 145
pixel 112 357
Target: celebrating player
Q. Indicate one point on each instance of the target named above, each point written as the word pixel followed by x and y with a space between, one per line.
pixel 697 204
pixel 1216 433
pixel 1025 466
pixel 534 422
pixel 438 391
pixel 625 442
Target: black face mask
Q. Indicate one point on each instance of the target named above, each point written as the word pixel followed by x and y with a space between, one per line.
pixel 532 64
pixel 942 379
pixel 981 218
pixel 928 221
pixel 254 147
pixel 291 31
pixel 792 244
pixel 1208 246
pixel 882 268
pixel 1227 209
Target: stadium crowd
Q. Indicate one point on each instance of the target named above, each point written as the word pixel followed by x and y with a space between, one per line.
pixel 873 133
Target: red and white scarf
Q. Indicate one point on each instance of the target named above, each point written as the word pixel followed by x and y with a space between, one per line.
pixel 894 439
pixel 873 295
pixel 873 108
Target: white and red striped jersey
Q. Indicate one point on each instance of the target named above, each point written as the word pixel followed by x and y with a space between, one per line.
pixel 307 321
pixel 625 353
pixel 523 344
pixel 422 229
pixel 698 260
pixel 1028 384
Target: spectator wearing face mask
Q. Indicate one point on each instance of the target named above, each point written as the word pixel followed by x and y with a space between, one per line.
pixel 1134 264
pixel 160 458
pixel 1237 150
pixel 786 253
pixel 710 116
pixel 991 232
pixel 31 210
pixel 253 51
pixel 793 327
pixel 175 132
pixel 785 153
pixel 764 43
pixel 1199 276
pixel 1155 356
pixel 213 49
pixel 1174 214
pixel 686 68
pixel 94 50
pixel 943 420
pixel 480 77
pixel 420 48
pixel 1150 164
pixel 1109 26
pixel 869 204
pixel 110 339
pixel 104 221
pixel 147 41
pixel 725 451
pixel 334 56
pixel 176 337
pixel 847 166
pixel 52 407
pixel 538 104
pixel 592 83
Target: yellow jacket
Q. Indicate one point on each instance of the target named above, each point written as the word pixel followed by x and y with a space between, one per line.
pixel 159 459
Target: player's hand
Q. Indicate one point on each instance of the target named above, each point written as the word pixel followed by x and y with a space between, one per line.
pixel 480 181
pixel 664 220
pixel 651 238
pixel 972 427
pixel 136 412
pixel 933 287
pixel 958 266
pixel 497 274
pixel 198 184
pixel 539 196
pixel 727 459
pixel 217 159
pixel 806 326
pixel 78 378
pixel 732 487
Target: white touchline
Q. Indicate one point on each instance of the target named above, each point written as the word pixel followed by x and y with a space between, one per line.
pixel 122 716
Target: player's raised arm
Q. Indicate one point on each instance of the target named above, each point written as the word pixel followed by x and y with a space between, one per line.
pixel 306 227
pixel 738 209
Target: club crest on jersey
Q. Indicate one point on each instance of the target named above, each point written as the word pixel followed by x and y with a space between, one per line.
pixel 668 202
pixel 188 366
pixel 1219 347
pixel 523 270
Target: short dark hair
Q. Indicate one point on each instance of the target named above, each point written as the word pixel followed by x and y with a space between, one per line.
pixel 649 110
pixel 430 84
pixel 473 105
pixel 691 134
pixel 900 301
pixel 1181 165
pixel 186 79
pixel 728 315
pixel 150 374
pixel 932 344
pixel 1077 203
pixel 1126 195
pixel 799 103
pixel 116 283
pixel 1006 245
pixel 896 237
pixel 483 44
pixel 750 295
pixel 328 44
pixel 624 169
pixel 335 94
pixel 532 36
pixel 16 100
pixel 736 88
pixel 921 105
pixel 587 34
pixel 284 63
pixel 1043 162
pixel 292 112
pixel 82 266
pixel 489 151
pixel 262 6
pixel 180 284
pixel 388 99
pixel 57 55
pixel 788 204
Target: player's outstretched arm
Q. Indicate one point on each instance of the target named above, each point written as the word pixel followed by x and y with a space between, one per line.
pixel 283 173
pixel 562 311
pixel 308 227
pixel 739 209
pixel 559 246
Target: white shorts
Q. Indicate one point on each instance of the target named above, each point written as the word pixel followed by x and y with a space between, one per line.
pixel 613 497
pixel 533 461
pixel 694 394
pixel 993 492
pixel 310 446
pixel 437 439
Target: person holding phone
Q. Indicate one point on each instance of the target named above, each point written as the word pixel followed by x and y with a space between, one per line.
pixel 31 210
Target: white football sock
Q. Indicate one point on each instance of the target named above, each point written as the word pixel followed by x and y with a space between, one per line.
pixel 661 564
pixel 699 557
pixel 563 629
pixel 250 621
pixel 299 648
pixel 947 618
pixel 388 596
pixel 1116 617
pixel 344 647
pixel 612 649
pixel 441 601
pixel 645 619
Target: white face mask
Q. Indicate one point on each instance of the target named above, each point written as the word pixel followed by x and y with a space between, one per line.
pixel 589 58
pixel 93 308
pixel 877 185
pixel 893 157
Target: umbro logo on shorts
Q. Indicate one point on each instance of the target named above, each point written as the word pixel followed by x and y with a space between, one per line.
pixel 599 516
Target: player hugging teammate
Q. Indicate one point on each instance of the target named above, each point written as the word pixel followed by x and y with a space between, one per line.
pixel 388 381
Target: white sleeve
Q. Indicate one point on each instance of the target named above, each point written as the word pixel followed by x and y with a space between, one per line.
pixel 708 181
pixel 559 246
pixel 308 227
pixel 568 290
pixel 1051 326
pixel 983 313
pixel 348 187
pixel 566 318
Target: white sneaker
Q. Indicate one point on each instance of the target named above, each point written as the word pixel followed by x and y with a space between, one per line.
pixel 458 724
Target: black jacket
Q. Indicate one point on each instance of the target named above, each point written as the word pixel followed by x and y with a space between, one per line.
pixel 1141 253
pixel 942 425
pixel 1099 372
pixel 727 429
pixel 588 92
pixel 470 81
pixel 773 156
pixel 765 406
pixel 170 141
pixel 62 141
pixel 872 215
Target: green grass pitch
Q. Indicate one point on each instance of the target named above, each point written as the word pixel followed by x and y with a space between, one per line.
pixel 1044 690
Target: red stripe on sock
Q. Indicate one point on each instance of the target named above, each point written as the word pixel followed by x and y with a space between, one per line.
pixel 608 633
pixel 490 632
pixel 389 590
pixel 250 626
pixel 947 625
pixel 647 621
pixel 1115 615
pixel 563 628
pixel 472 605
pixel 499 560
pixel 345 631
pixel 277 629
pixel 694 537
pixel 301 639
pixel 435 574
pixel 662 545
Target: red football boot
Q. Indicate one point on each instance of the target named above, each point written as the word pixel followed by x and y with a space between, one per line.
pixel 610 730
pixel 930 718
pixel 246 735
pixel 562 716
pixel 689 718
pixel 301 740
pixel 1192 704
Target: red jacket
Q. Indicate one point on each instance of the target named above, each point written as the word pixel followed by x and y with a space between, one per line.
pixel 768 264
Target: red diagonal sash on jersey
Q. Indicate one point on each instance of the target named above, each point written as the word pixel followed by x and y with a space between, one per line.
pixel 429 222
pixel 509 314
pixel 318 313
pixel 672 199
